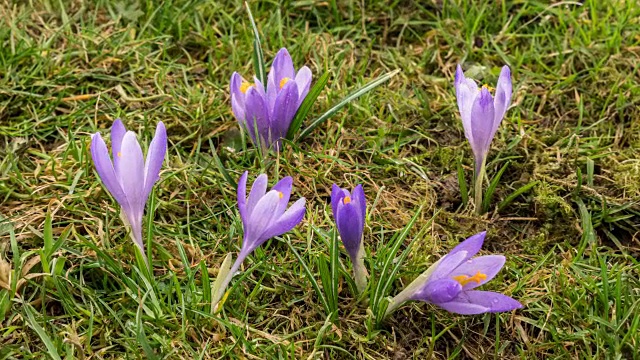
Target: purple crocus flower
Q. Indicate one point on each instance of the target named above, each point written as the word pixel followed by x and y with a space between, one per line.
pixel 264 215
pixel 482 113
pixel 129 178
pixel 450 282
pixel 349 210
pixel 270 110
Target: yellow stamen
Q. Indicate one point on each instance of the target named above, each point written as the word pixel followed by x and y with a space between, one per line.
pixel 119 154
pixel 284 81
pixel 346 200
pixel 464 279
pixel 245 86
pixel 280 194
pixel 488 87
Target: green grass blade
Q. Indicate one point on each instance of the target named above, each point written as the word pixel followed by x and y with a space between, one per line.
pixel 258 56
pixel 488 195
pixel 389 256
pixel 354 95
pixel 307 104
pixel 391 277
pixel 47 235
pixel 334 254
pixel 312 279
pixel 325 277
pixel 51 348
pixel 221 167
pixel 521 190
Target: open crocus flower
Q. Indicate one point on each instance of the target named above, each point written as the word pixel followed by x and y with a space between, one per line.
pixel 450 282
pixel 481 116
pixel 349 210
pixel 270 110
pixel 264 215
pixel 129 178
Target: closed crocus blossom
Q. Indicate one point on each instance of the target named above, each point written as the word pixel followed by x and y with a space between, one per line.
pixel 264 215
pixel 450 282
pixel 270 110
pixel 129 177
pixel 349 210
pixel 481 115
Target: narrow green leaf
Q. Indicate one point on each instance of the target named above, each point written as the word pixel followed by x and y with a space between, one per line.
pixel 51 348
pixel 590 171
pixel 588 234
pixel 325 277
pixel 141 336
pixel 576 191
pixel 221 167
pixel 521 190
pixel 488 195
pixel 462 183
pixel 334 265
pixel 47 235
pixel 307 104
pixel 313 281
pixel 389 256
pixel 258 57
pixel 354 95
pixel 206 283
pixel 391 277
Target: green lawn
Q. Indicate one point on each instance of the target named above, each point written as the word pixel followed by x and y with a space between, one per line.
pixel 69 286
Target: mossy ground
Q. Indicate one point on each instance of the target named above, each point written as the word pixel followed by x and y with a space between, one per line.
pixel 69 68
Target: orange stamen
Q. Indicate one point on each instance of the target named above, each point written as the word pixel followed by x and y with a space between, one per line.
pixel 284 81
pixel 464 279
pixel 245 86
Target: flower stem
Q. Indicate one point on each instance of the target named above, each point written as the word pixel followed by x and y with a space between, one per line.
pixel 478 187
pixel 360 271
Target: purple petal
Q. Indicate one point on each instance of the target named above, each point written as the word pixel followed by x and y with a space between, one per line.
pixel 503 97
pixel 105 170
pixel 259 86
pixel 357 196
pixel 466 93
pixel 260 219
pixel 238 111
pixel 336 197
pixel 155 157
pixel 257 114
pixel 117 133
pixel 287 221
pixel 234 88
pixel 350 226
pixel 283 187
pixel 438 291
pixel 482 116
pixel 303 80
pixel 131 173
pixel 477 302
pixel 258 190
pixel 447 264
pixel 272 92
pixel 282 67
pixel 480 269
pixel 284 110
pixel 242 196
pixel 471 245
